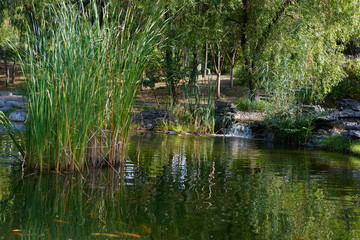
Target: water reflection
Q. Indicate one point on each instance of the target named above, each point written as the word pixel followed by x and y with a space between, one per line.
pixel 191 188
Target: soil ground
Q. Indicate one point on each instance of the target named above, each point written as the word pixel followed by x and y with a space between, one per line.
pixel 159 93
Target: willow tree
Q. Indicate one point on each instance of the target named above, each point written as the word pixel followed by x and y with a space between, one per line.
pixel 287 44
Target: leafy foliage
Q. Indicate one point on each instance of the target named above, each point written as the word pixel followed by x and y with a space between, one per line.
pixel 291 126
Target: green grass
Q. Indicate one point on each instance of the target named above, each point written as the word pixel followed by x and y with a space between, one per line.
pixel 337 143
pixel 248 105
pixel 355 148
pixel 83 79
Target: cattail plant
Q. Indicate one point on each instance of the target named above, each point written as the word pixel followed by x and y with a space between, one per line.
pixel 83 72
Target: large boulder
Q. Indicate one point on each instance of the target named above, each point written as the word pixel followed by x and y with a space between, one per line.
pixel 2 102
pixel 150 118
pixel 349 104
pixel 18 116
pixel 14 104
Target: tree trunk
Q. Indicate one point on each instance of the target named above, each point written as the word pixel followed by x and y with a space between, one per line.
pixel 170 76
pixel 218 63
pixel 186 56
pixel 249 76
pixel 218 82
pixel 7 70
pixel 142 81
pixel 232 75
pixel 194 67
pixel 232 61
pixel 206 59
pixel 13 72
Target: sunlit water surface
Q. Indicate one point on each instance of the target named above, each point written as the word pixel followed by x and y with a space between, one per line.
pixel 188 188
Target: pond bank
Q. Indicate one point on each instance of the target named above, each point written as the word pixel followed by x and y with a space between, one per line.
pixel 342 122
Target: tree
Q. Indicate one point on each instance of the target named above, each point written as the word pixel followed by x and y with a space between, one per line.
pixel 286 44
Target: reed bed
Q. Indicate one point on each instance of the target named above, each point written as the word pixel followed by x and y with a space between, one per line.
pixel 83 75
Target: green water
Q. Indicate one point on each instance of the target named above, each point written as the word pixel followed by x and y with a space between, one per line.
pixel 188 188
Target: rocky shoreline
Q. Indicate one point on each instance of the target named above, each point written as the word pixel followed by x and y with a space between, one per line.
pixel 344 120
pixel 14 106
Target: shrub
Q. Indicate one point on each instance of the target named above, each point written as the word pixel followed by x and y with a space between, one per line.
pixel 291 126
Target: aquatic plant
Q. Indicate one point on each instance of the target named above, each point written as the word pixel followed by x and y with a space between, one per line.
pixel 84 69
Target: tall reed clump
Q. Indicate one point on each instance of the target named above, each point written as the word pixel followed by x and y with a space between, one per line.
pixel 83 72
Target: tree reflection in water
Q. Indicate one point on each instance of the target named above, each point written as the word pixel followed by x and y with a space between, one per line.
pixel 192 188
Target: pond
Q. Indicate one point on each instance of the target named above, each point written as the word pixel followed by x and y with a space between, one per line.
pixel 188 188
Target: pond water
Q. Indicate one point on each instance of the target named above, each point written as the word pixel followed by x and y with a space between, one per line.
pixel 188 188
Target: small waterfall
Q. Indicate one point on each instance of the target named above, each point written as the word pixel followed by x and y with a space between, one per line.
pixel 242 130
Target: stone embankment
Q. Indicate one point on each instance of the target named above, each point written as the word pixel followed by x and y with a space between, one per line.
pixel 344 120
pixel 14 106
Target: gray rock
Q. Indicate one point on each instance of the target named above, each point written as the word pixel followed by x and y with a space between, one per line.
pixel 15 126
pixel 313 108
pixel 322 132
pixel 4 109
pixel 13 104
pixel 349 104
pixel 354 133
pixel 346 113
pixel 173 133
pixel 351 126
pixel 18 116
pixel 2 102
pixel 334 132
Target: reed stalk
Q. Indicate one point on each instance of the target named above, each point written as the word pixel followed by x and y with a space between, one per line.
pixel 83 78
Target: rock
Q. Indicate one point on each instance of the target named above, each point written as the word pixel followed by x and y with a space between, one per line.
pixel 221 107
pixel 349 104
pixel 347 113
pixel 334 132
pixel 354 133
pixel 172 133
pixel 18 116
pixel 5 109
pixel 313 108
pixel 2 102
pixel 322 132
pixel 13 104
pixel 248 116
pixel 352 127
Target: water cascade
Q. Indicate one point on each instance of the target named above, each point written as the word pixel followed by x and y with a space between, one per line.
pixel 242 130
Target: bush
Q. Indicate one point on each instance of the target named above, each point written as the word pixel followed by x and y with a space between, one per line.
pixel 355 148
pixel 348 88
pixel 291 126
pixel 248 105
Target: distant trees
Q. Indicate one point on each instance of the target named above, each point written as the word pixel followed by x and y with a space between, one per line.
pixel 279 45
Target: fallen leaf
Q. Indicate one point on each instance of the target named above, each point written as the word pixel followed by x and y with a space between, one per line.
pixel 16 233
pixel 16 230
pixel 105 234
pixel 90 213
pixel 129 234
pixel 60 221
